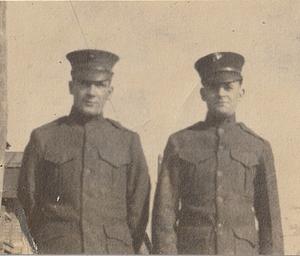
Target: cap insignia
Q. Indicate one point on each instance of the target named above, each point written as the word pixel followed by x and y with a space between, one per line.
pixel 217 56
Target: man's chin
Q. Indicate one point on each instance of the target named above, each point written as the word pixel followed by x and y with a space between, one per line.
pixel 89 112
pixel 222 112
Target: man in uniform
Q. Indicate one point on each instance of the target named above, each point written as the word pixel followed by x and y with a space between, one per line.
pixel 84 181
pixel 217 191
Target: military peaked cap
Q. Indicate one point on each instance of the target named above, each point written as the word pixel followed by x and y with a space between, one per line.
pixel 220 67
pixel 92 65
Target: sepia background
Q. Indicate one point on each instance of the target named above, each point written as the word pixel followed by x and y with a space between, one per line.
pixel 156 87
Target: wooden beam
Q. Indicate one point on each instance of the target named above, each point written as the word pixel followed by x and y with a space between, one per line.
pixel 3 92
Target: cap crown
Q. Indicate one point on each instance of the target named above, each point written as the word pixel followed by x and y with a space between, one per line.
pixel 215 64
pixel 91 64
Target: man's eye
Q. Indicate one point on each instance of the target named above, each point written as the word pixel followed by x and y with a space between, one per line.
pixel 228 87
pixel 100 84
pixel 83 83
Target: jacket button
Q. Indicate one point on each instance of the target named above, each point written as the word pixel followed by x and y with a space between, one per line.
pixel 220 199
pixel 220 131
pixel 87 171
pixel 221 147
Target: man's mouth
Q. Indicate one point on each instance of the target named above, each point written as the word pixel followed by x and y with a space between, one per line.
pixel 221 103
pixel 89 103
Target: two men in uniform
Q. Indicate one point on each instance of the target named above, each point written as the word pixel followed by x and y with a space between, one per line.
pixel 85 187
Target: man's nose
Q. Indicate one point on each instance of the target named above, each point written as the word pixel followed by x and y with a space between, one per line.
pixel 91 89
pixel 221 91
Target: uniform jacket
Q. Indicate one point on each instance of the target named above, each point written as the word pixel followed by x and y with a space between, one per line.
pixel 84 186
pixel 217 193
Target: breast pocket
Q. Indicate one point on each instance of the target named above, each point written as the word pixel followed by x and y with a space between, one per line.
pixel 113 171
pixel 56 170
pixel 197 174
pixel 244 168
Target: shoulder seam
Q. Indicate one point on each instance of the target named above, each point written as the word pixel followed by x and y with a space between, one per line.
pixel 117 124
pixel 248 130
pixel 187 128
pixel 114 123
pixel 49 124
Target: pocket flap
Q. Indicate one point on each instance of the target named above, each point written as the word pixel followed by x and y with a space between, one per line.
pixel 119 232
pixel 245 157
pixel 115 158
pixel 195 156
pixel 246 233
pixel 58 157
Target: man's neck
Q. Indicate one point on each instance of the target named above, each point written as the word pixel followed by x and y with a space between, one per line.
pixel 82 118
pixel 213 119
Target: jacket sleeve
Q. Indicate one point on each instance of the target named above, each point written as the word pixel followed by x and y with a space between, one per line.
pixel 166 203
pixel 267 206
pixel 28 175
pixel 138 194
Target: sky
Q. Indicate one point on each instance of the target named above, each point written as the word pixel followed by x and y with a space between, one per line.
pixel 156 89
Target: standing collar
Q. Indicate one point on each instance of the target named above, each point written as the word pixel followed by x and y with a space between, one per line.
pixel 79 118
pixel 213 120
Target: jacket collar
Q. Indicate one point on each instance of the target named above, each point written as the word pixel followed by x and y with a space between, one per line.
pixel 215 121
pixel 81 119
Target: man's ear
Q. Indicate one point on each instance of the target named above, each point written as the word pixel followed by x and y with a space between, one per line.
pixel 71 87
pixel 242 92
pixel 203 93
pixel 110 90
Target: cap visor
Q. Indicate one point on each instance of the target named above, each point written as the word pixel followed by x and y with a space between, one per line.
pixel 224 77
pixel 91 75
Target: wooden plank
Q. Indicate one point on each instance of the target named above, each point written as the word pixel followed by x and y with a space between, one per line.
pixel 3 92
pixel 11 176
pixel 12 165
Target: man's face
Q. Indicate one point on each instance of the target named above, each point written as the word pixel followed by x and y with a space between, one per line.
pixel 89 97
pixel 222 98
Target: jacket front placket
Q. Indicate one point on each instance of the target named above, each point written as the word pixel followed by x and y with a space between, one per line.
pixel 95 187
pixel 222 228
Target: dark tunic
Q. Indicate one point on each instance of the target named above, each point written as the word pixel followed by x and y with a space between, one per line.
pixel 84 186
pixel 217 193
